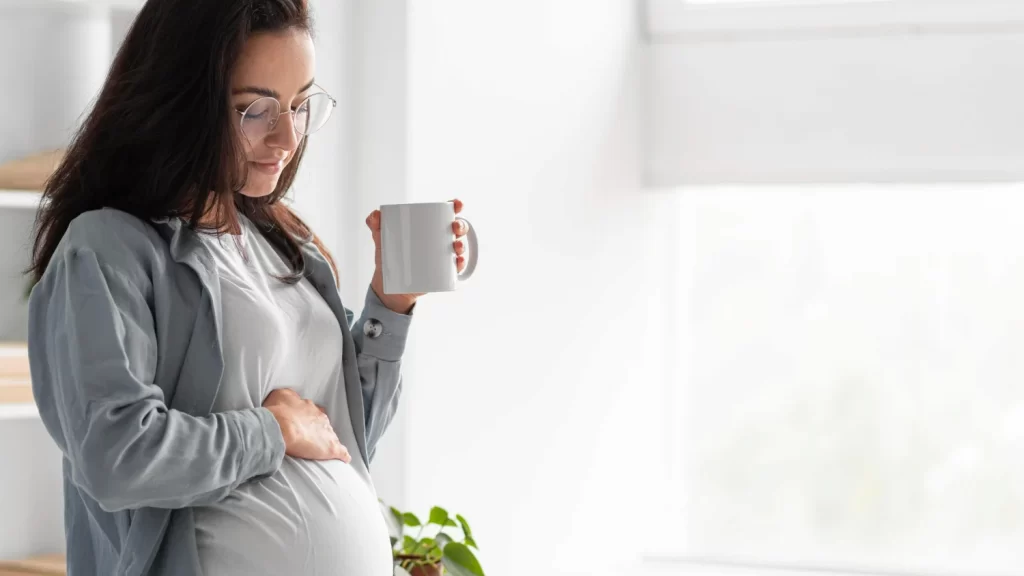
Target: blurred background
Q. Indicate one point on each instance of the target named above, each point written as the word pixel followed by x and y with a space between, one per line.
pixel 750 291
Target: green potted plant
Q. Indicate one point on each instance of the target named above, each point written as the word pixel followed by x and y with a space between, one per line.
pixel 431 548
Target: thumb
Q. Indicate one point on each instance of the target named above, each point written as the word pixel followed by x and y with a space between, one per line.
pixel 373 221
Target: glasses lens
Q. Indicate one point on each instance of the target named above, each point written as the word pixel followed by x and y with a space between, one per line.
pixel 259 118
pixel 313 113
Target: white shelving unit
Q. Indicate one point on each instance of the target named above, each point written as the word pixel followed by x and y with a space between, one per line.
pixel 128 5
pixel 57 52
pixel 19 199
pixel 18 411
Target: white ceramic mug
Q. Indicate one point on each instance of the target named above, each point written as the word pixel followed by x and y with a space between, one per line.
pixel 417 255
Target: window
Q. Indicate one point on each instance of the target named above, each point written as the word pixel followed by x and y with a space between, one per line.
pixel 843 327
pixel 845 392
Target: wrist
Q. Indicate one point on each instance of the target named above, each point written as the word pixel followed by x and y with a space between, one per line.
pixel 283 422
pixel 398 303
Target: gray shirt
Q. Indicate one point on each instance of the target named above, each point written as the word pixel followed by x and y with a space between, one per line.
pixel 310 518
pixel 126 354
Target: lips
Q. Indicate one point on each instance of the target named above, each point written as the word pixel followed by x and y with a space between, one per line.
pixel 271 167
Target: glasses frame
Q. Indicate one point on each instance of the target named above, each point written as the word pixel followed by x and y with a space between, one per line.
pixel 280 107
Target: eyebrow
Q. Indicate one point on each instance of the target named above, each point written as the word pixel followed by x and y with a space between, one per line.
pixel 261 91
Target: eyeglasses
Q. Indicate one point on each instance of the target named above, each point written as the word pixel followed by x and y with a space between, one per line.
pixel 261 117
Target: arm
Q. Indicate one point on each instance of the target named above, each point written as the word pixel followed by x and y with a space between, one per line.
pixel 93 351
pixel 379 357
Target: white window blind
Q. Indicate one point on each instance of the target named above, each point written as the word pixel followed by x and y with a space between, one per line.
pixel 846 391
pixel 846 91
pixel 670 20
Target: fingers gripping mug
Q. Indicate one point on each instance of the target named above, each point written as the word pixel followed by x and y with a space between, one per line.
pixel 417 255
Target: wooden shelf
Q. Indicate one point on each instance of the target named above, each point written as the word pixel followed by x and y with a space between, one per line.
pixel 30 172
pixel 14 361
pixel 20 199
pixel 13 393
pixel 49 565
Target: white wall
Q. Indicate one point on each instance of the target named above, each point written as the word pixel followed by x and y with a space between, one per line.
pixel 377 90
pixel 320 190
pixel 528 404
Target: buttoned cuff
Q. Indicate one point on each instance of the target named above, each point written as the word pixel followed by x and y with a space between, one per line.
pixel 264 445
pixel 381 332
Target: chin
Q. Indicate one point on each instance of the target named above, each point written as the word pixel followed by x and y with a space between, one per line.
pixel 259 183
pixel 258 189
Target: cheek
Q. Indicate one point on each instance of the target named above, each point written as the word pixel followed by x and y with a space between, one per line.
pixel 247 148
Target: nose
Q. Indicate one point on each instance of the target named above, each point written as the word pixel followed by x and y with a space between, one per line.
pixel 284 136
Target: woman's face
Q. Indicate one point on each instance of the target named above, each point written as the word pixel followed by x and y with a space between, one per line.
pixel 278 65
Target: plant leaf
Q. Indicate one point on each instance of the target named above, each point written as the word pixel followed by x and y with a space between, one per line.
pixel 450 522
pixel 411 519
pixel 460 561
pixel 470 542
pixel 465 525
pixel 438 515
pixel 409 543
pixel 442 540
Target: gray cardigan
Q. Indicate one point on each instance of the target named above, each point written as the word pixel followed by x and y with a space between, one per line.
pixel 125 353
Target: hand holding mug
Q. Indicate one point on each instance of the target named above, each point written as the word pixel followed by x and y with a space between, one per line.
pixel 420 248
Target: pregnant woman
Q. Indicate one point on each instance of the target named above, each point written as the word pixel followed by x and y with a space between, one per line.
pixel 216 406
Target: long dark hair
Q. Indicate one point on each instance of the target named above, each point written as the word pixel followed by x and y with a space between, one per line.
pixel 159 141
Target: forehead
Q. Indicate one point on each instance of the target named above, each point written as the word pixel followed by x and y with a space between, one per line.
pixel 283 61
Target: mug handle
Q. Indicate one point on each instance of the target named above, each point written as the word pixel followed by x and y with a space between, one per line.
pixel 473 252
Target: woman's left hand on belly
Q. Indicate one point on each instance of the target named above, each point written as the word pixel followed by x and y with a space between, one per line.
pixel 402 303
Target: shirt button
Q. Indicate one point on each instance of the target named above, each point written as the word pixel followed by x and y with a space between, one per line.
pixel 372 328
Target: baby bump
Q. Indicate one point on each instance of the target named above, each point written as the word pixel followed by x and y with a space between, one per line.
pixel 309 518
